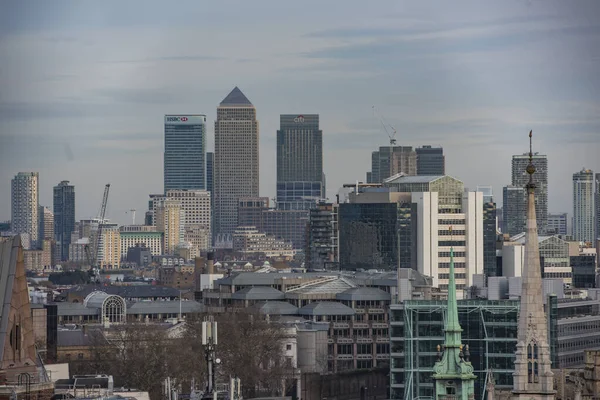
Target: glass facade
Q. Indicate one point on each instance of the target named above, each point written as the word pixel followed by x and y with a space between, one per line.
pixel 514 210
pixel 184 154
pixel 417 328
pixel 368 235
pixel 430 161
pixel 64 217
pixel 300 180
pixel 489 240
pixel 584 271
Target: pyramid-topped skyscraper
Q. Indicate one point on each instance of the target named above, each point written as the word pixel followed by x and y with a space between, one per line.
pixel 533 377
pixel 453 372
pixel 236 159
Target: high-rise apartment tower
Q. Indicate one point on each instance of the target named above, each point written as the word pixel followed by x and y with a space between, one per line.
pixel 64 217
pixel 583 206
pixel 25 206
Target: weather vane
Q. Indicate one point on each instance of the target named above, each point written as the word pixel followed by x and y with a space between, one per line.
pixel 530 168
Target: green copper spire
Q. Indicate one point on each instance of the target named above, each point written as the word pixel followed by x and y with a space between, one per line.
pixel 453 372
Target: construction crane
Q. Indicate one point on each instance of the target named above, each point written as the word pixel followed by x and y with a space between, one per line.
pixel 389 129
pixel 93 252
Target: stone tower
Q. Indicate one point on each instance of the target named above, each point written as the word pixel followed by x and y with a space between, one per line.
pixel 533 377
pixel 453 372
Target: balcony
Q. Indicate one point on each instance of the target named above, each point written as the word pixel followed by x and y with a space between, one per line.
pixel 376 311
pixel 344 357
pixel 382 339
pixel 363 339
pixel 364 356
pixel 344 340
pixel 360 325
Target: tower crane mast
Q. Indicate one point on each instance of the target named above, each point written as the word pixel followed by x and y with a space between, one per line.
pixel 389 129
pixel 92 254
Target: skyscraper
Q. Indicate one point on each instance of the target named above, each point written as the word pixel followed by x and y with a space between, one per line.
pixel 46 225
pixel 25 206
pixel 430 161
pixel 520 179
pixel 210 168
pixel 533 377
pixel 64 217
pixel 184 154
pixel 597 202
pixel 299 162
pixel 583 206
pixel 236 165
pixel 389 161
pixel 513 210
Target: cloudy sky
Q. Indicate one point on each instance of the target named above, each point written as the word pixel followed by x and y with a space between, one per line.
pixel 84 86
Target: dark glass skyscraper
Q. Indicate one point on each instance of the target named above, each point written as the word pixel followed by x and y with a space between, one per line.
pixel 300 180
pixel 184 155
pixel 210 165
pixel 431 161
pixel 514 202
pixel 64 217
pixel 369 235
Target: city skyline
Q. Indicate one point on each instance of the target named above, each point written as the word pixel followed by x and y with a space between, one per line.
pixel 63 119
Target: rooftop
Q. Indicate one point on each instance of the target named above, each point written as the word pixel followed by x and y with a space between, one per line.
pixel 416 179
pixel 364 294
pixel 325 308
pixel 276 308
pixel 258 293
pixel 236 98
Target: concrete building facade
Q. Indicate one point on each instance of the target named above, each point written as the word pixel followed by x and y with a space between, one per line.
pixel 184 152
pixel 597 209
pixel 109 252
pixel 64 217
pixel 236 168
pixel 133 235
pixel 25 206
pixel 558 224
pixel 169 220
pixel 46 225
pixel 583 206
pixel 391 160
pixel 248 240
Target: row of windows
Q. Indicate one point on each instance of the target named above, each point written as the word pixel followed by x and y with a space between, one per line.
pixel 456 254
pixel 447 276
pixel 452 243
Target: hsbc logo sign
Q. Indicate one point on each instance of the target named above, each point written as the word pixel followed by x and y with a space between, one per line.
pixel 299 119
pixel 176 119
pixel 185 119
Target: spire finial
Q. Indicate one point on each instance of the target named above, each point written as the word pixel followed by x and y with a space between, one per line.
pixel 530 168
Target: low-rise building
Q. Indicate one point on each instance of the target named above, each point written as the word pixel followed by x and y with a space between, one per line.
pixel 248 240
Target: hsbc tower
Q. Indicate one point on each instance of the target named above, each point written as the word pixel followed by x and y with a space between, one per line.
pixel 185 152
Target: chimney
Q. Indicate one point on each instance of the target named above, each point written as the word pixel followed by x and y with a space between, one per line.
pixel 210 263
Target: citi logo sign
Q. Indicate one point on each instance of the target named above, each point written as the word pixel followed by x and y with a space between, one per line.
pixel 299 119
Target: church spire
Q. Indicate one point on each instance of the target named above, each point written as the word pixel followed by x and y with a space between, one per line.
pixel 453 372
pixel 533 377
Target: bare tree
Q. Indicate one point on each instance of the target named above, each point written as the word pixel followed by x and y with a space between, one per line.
pixel 142 356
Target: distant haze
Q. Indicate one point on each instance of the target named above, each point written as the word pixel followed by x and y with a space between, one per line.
pixel 84 86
